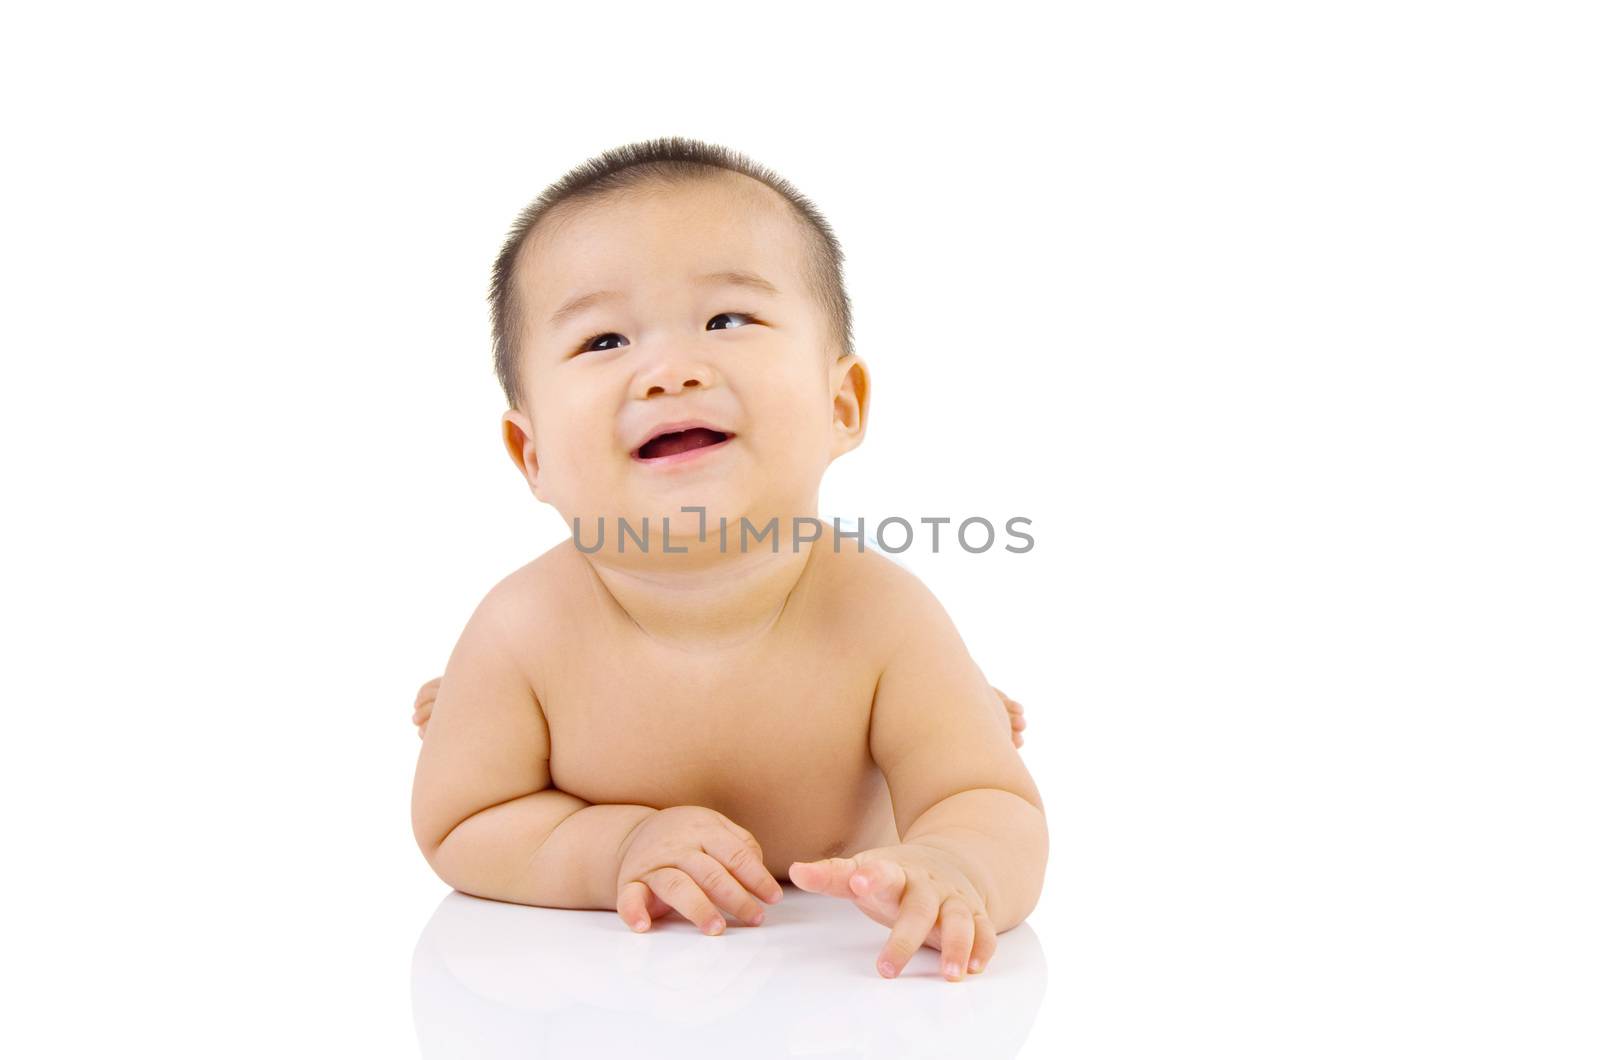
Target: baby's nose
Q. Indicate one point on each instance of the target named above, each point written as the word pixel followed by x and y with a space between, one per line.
pixel 684 384
pixel 674 375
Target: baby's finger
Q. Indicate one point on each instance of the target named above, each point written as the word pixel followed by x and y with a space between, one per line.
pixel 429 692
pixel 829 876
pixel 654 906
pixel 983 943
pixel 633 901
pixel 956 933
pixel 713 878
pixel 919 907
pixel 749 839
pixel 742 855
pixel 674 887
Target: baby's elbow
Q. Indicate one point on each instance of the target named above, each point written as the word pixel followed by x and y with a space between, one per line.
pixel 454 850
pixel 451 873
pixel 444 859
pixel 431 845
pixel 430 829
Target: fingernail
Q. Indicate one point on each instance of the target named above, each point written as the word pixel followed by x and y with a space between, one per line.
pixel 887 968
pixel 975 965
pixel 952 970
pixel 717 925
pixel 757 917
pixel 640 925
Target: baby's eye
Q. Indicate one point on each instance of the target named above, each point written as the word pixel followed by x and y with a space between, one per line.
pixel 719 316
pixel 586 347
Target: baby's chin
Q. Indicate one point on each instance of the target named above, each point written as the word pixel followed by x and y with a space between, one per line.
pixel 680 512
pixel 669 522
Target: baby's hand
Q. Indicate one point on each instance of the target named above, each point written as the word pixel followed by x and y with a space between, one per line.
pixel 424 708
pixel 918 891
pixel 676 857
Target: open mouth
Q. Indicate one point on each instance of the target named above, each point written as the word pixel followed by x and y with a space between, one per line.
pixel 676 443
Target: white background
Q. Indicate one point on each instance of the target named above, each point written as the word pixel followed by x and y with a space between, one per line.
pixel 1279 320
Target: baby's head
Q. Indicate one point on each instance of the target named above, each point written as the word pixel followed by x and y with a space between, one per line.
pixel 674 286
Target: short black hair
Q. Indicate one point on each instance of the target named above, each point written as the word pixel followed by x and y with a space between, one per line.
pixel 666 160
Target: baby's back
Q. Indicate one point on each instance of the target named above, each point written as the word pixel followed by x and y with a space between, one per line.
pixel 773 734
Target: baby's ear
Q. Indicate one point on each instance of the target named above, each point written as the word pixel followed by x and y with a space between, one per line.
pixel 516 430
pixel 852 390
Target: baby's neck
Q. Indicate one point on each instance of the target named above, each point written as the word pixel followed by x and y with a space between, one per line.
pixel 708 606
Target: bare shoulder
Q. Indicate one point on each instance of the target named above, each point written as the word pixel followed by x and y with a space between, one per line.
pixel 870 595
pixel 542 597
pixel 536 610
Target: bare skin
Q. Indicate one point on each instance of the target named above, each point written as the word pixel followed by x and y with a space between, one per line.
pixel 616 726
pixel 789 735
pixel 1011 715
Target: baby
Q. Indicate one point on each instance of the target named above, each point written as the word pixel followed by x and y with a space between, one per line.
pixel 678 719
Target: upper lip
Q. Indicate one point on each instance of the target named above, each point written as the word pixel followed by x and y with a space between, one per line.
pixel 673 427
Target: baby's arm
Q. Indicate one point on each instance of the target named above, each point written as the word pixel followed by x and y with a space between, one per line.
pixel 955 780
pixel 482 807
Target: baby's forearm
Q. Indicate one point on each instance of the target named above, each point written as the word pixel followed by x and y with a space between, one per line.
pixel 549 849
pixel 1001 841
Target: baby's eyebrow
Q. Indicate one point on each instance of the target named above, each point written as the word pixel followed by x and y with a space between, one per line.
pixel 727 277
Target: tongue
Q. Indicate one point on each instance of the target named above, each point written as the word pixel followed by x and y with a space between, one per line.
pixel 680 442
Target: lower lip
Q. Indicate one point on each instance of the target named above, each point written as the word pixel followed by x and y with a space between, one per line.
pixel 685 456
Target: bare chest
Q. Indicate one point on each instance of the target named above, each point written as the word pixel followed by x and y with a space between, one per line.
pixel 776 740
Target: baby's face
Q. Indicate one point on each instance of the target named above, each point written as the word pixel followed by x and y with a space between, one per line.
pixel 700 318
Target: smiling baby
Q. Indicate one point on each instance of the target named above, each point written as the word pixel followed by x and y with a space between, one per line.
pixel 706 690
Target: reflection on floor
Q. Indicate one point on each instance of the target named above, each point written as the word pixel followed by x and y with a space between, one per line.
pixel 496 980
